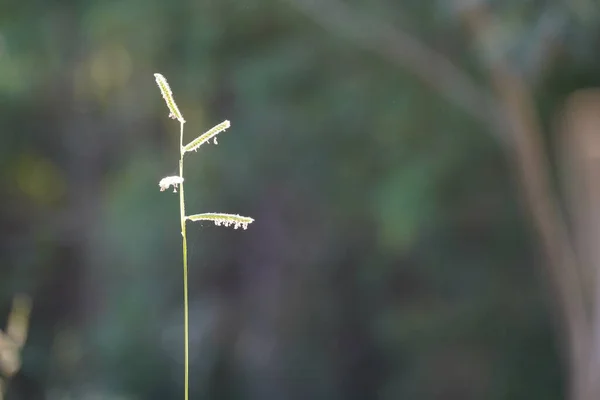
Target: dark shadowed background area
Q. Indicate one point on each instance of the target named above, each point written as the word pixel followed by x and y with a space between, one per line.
pixel 423 177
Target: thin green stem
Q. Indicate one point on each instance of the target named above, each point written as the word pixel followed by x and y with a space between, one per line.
pixel 185 270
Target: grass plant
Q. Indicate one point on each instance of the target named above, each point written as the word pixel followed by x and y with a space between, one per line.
pixel 233 220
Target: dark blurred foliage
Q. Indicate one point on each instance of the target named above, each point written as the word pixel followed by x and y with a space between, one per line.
pixel 390 257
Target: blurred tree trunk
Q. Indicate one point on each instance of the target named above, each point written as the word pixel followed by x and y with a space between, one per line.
pixel 581 172
pixel 533 171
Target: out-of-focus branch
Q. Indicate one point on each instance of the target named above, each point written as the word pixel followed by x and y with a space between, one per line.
pixel 580 149
pixel 431 67
pixel 532 168
pixel 12 342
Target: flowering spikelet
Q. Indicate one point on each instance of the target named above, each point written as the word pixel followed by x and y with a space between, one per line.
pixel 205 137
pixel 163 85
pixel 223 219
pixel 168 181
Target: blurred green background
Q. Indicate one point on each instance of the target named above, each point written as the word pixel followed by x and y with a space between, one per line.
pixel 391 257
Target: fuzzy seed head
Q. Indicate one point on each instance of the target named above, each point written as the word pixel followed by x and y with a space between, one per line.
pixel 207 136
pixel 167 94
pixel 234 220
pixel 169 181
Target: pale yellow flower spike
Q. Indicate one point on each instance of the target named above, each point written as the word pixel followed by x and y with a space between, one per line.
pixel 205 137
pixel 163 85
pixel 234 220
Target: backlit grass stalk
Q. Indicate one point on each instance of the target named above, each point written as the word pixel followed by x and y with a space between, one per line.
pixel 177 181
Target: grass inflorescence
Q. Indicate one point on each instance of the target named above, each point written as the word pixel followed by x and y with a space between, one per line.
pixel 233 220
